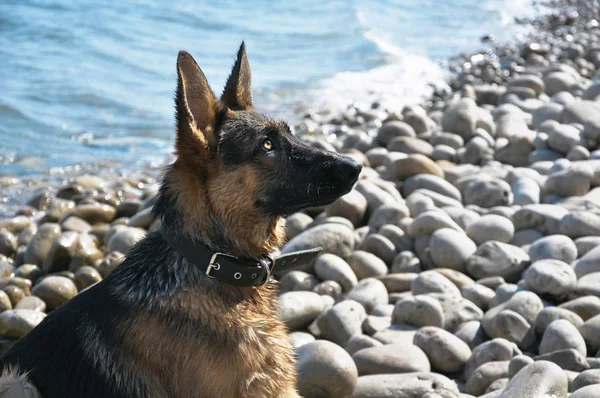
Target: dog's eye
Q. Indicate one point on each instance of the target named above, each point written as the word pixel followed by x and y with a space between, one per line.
pixel 267 144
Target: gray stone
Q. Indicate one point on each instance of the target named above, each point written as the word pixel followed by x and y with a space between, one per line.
pixel 94 213
pixel 299 309
pixel 592 391
pixel 586 307
pixel 418 311
pixel 497 349
pixel 398 282
pixel 480 295
pixel 461 117
pixel 552 277
pixel 342 321
pixel 451 249
pixel 392 358
pixel 8 243
pixel 586 378
pixel 333 238
pixel 517 363
pixel 497 259
pixel 414 164
pixel 370 293
pixel 405 385
pixel 491 228
pixel 331 267
pixel 357 343
pixel 393 129
pixel 41 242
pixel 366 265
pixel 568 359
pixel 562 335
pixel 380 246
pixel 351 206
pixel 538 380
pixel 297 223
pixel 488 193
pixel 429 222
pixel 14 324
pixel 457 310
pixel 550 314
pixel 587 264
pixel 388 214
pixel 123 240
pixel 433 282
pixel 432 183
pixel 557 247
pixel 585 244
pixel 446 352
pixel 86 276
pixel 543 218
pixel 563 137
pixel 569 182
pixel 298 339
pixel 586 113
pixel 580 223
pixel 471 333
pixel 33 303
pixel 485 375
pixel 589 284
pixel 325 370
pixel 55 290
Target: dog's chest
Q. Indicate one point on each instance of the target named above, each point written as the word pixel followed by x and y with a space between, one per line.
pixel 212 349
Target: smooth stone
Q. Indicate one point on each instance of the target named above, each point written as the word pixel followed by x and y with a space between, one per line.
pixel 380 246
pixel 410 145
pixel 297 280
pixel 397 236
pixel 446 352
pixel 585 244
pixel 471 333
pixel 16 323
pixel 590 331
pixel 457 310
pixel 398 282
pixel 334 238
pixel 33 303
pixel 418 203
pixel 517 363
pixel 351 206
pixel 580 223
pixel 586 307
pixel 297 223
pixel 563 137
pixel 342 321
pixel 561 335
pixel 433 282
pixel 589 284
pixel 479 294
pixel 488 193
pixel 569 182
pixel 418 311
pixel 124 239
pixel 108 264
pixel 586 113
pixel 525 237
pixel 485 375
pixel 357 343
pixel 588 264
pixel 591 391
pixel 391 358
pixel 86 276
pixel 55 291
pixel 61 252
pixel 392 129
pixel 329 288
pixel 550 314
pixel 568 359
pixel 462 216
pixel 412 165
pixel 557 247
pixel 586 378
pixel 497 349
pixel 526 191
pixel 325 370
pixel 298 339
pixel 491 228
pixel 366 265
pixel 369 292
pixel 405 385
pixel 75 224
pixel 552 277
pixel 8 243
pixel 497 259
pixel 450 249
pixel 541 379
pixel 388 214
pixel 375 196
pixel 431 183
pixel 461 117
pixel 331 267
pixel 94 213
pixel 541 217
pixel 578 152
pixel 41 242
pixel 429 222
pixel 16 224
pixel 5 302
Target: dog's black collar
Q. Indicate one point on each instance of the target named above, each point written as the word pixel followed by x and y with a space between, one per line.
pixel 235 270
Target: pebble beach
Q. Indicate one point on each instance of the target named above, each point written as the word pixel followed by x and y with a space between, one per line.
pixel 464 263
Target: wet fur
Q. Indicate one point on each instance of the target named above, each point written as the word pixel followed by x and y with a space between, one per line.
pixel 157 326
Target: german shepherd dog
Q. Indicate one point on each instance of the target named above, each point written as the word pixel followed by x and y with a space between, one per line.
pixel 161 325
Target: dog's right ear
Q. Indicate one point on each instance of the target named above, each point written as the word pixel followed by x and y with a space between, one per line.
pixel 196 107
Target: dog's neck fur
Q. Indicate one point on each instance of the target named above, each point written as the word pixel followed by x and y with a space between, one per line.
pixel 187 210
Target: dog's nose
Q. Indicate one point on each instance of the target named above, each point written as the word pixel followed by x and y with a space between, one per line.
pixel 348 170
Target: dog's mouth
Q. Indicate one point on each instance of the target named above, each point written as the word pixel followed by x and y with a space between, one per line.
pixel 324 194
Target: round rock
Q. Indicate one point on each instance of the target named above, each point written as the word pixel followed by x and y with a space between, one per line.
pixel 552 277
pixel 446 352
pixel 491 228
pixel 391 358
pixel 55 291
pixel 449 249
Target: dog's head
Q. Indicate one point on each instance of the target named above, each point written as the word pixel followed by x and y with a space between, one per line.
pixel 256 155
pixel 240 167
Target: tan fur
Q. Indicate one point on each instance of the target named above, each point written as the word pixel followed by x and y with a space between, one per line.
pixel 252 358
pixel 14 384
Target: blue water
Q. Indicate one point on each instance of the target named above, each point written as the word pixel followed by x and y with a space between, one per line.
pixel 84 81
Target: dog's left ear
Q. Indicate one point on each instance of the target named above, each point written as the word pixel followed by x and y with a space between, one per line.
pixel 237 94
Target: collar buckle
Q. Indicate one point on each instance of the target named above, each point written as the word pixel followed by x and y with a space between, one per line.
pixel 214 265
